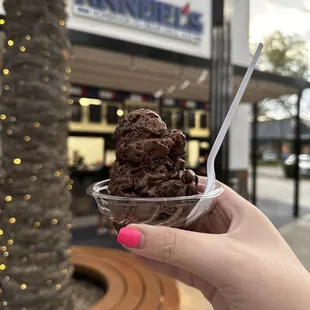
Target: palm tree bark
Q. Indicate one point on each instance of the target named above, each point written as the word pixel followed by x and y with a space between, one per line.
pixel 35 221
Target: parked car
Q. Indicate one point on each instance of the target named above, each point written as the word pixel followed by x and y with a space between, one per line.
pixel 304 165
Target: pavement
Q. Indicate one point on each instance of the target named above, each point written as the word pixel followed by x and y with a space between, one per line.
pixel 297 235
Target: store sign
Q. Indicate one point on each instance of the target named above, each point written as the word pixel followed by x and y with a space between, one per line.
pixel 150 15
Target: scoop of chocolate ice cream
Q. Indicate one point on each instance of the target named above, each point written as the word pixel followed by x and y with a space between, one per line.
pixel 148 162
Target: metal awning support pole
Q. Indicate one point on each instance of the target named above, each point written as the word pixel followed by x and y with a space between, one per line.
pixel 221 79
pixel 254 147
pixel 297 152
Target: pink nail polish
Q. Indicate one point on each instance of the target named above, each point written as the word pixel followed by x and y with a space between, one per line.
pixel 129 237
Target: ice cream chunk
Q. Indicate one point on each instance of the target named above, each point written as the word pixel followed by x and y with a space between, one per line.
pixel 148 159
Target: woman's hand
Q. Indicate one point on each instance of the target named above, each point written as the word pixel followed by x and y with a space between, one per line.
pixel 233 255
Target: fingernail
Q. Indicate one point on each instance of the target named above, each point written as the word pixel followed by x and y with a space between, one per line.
pixel 129 237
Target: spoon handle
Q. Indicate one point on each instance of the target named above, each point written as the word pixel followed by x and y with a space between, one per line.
pixel 228 119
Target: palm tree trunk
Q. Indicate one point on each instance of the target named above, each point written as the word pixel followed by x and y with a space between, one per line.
pixel 35 221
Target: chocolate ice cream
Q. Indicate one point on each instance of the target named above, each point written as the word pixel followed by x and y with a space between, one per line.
pixel 148 159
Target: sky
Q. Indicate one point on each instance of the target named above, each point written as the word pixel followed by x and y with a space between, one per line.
pixel 288 16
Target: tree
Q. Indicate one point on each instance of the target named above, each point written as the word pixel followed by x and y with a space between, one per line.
pixel 285 55
pixel 35 269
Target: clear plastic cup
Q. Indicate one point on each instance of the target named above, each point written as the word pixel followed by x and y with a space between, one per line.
pixel 166 211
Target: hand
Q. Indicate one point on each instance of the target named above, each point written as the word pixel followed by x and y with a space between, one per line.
pixel 234 256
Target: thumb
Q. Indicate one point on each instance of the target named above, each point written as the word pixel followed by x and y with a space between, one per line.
pixel 191 251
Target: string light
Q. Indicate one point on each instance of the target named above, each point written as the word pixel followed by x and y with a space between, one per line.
pixel 6 254
pixel 2 117
pixel 65 55
pixel 27 138
pixel 4 303
pixel 58 286
pixel 45 67
pixel 56 173
pixel 47 54
pixel 39 166
pixel 1 232
pixel 64 271
pixel 49 282
pixel 28 37
pixel 12 118
pixel 46 79
pixel 64 88
pixel 68 252
pixel 36 224
pixel 36 124
pixel 68 70
pixel 66 178
pixel 27 197
pixel 68 226
pixel 10 242
pixel 12 220
pixel 54 222
pixel 7 278
pixel 2 21
pixel 2 267
pixel 24 259
pixel 33 178
pixel 70 101
pixel 3 248
pixel 10 43
pixel 6 87
pixel 18 13
pixel 8 198
pixel 6 71
pixel 22 49
pixel 23 286
pixel 9 132
pixel 62 22
pixel 17 161
pixel 69 187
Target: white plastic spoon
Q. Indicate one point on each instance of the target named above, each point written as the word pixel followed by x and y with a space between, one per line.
pixel 222 133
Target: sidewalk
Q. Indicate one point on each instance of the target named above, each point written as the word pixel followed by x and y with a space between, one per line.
pixel 297 235
pixel 269 171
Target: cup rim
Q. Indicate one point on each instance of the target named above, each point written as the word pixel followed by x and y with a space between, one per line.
pixel 94 190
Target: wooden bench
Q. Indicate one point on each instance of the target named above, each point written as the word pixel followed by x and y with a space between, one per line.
pixel 130 285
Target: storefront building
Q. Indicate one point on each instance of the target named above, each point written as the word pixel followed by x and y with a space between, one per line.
pixel 109 82
pixel 156 54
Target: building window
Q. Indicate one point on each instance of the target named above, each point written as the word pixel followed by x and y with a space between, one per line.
pixel 179 119
pixel 166 116
pixel 203 121
pixel 76 112
pixel 95 113
pixel 192 119
pixel 112 117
